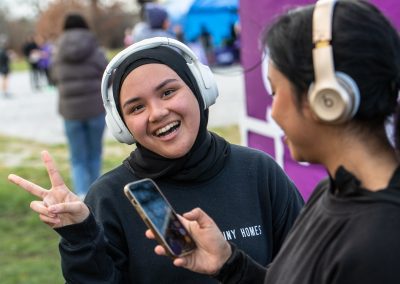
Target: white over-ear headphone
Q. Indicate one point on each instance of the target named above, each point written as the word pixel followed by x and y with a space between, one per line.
pixel 201 73
pixel 334 96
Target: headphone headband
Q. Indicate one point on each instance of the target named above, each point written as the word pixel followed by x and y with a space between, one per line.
pixel 323 15
pixel 322 37
pixel 141 45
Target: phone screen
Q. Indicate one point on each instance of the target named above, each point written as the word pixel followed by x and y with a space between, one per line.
pixel 155 209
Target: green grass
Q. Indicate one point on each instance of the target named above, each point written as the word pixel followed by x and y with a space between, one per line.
pixel 29 248
pixel 19 64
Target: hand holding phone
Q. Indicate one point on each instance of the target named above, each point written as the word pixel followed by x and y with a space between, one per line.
pixel 159 217
pixel 212 249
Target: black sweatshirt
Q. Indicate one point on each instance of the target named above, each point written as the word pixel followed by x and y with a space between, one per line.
pixel 251 199
pixel 345 235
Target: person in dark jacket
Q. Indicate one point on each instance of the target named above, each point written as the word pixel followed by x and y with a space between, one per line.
pixel 31 52
pixel 156 23
pixel 78 66
pixel 4 66
pixel 160 100
pixel 333 90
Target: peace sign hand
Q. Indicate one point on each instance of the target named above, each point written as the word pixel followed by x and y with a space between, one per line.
pixel 58 206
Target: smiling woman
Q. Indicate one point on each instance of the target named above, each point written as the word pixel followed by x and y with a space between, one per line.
pixel 160 100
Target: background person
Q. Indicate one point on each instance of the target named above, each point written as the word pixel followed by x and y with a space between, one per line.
pixel 161 103
pixel 44 63
pixel 77 70
pixel 4 66
pixel 32 55
pixel 349 230
pixel 156 23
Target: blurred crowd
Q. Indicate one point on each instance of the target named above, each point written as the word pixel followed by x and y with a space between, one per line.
pixel 155 21
pixel 38 52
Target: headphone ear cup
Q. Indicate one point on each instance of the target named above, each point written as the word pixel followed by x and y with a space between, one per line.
pixel 117 126
pixel 353 92
pixel 205 81
pixel 335 101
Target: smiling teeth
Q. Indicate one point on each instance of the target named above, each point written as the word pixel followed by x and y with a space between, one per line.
pixel 166 128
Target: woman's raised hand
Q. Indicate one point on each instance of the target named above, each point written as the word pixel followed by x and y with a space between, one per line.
pixel 58 206
pixel 212 249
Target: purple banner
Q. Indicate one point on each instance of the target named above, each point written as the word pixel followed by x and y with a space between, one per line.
pixel 258 129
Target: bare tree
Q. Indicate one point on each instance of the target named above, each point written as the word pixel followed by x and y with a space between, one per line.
pixel 50 22
pixel 3 22
pixel 102 19
pixel 107 18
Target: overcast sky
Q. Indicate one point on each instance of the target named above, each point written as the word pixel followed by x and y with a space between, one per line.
pixel 17 8
pixel 21 8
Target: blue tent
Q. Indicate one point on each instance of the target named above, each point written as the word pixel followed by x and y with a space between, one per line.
pixel 217 17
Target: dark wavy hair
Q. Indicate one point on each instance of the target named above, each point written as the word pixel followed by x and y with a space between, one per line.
pixel 75 21
pixel 366 46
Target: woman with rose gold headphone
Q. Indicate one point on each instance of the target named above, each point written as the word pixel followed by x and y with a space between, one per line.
pixel 334 71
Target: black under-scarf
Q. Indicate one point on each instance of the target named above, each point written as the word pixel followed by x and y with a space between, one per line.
pixel 209 152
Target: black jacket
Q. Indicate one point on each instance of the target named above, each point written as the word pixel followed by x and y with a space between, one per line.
pixel 251 199
pixel 345 235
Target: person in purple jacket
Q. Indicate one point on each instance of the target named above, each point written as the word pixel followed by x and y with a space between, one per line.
pixel 45 58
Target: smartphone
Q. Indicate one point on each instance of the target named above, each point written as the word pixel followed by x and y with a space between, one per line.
pixel 159 217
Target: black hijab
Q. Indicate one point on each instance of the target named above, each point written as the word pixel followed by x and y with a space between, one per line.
pixel 209 152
